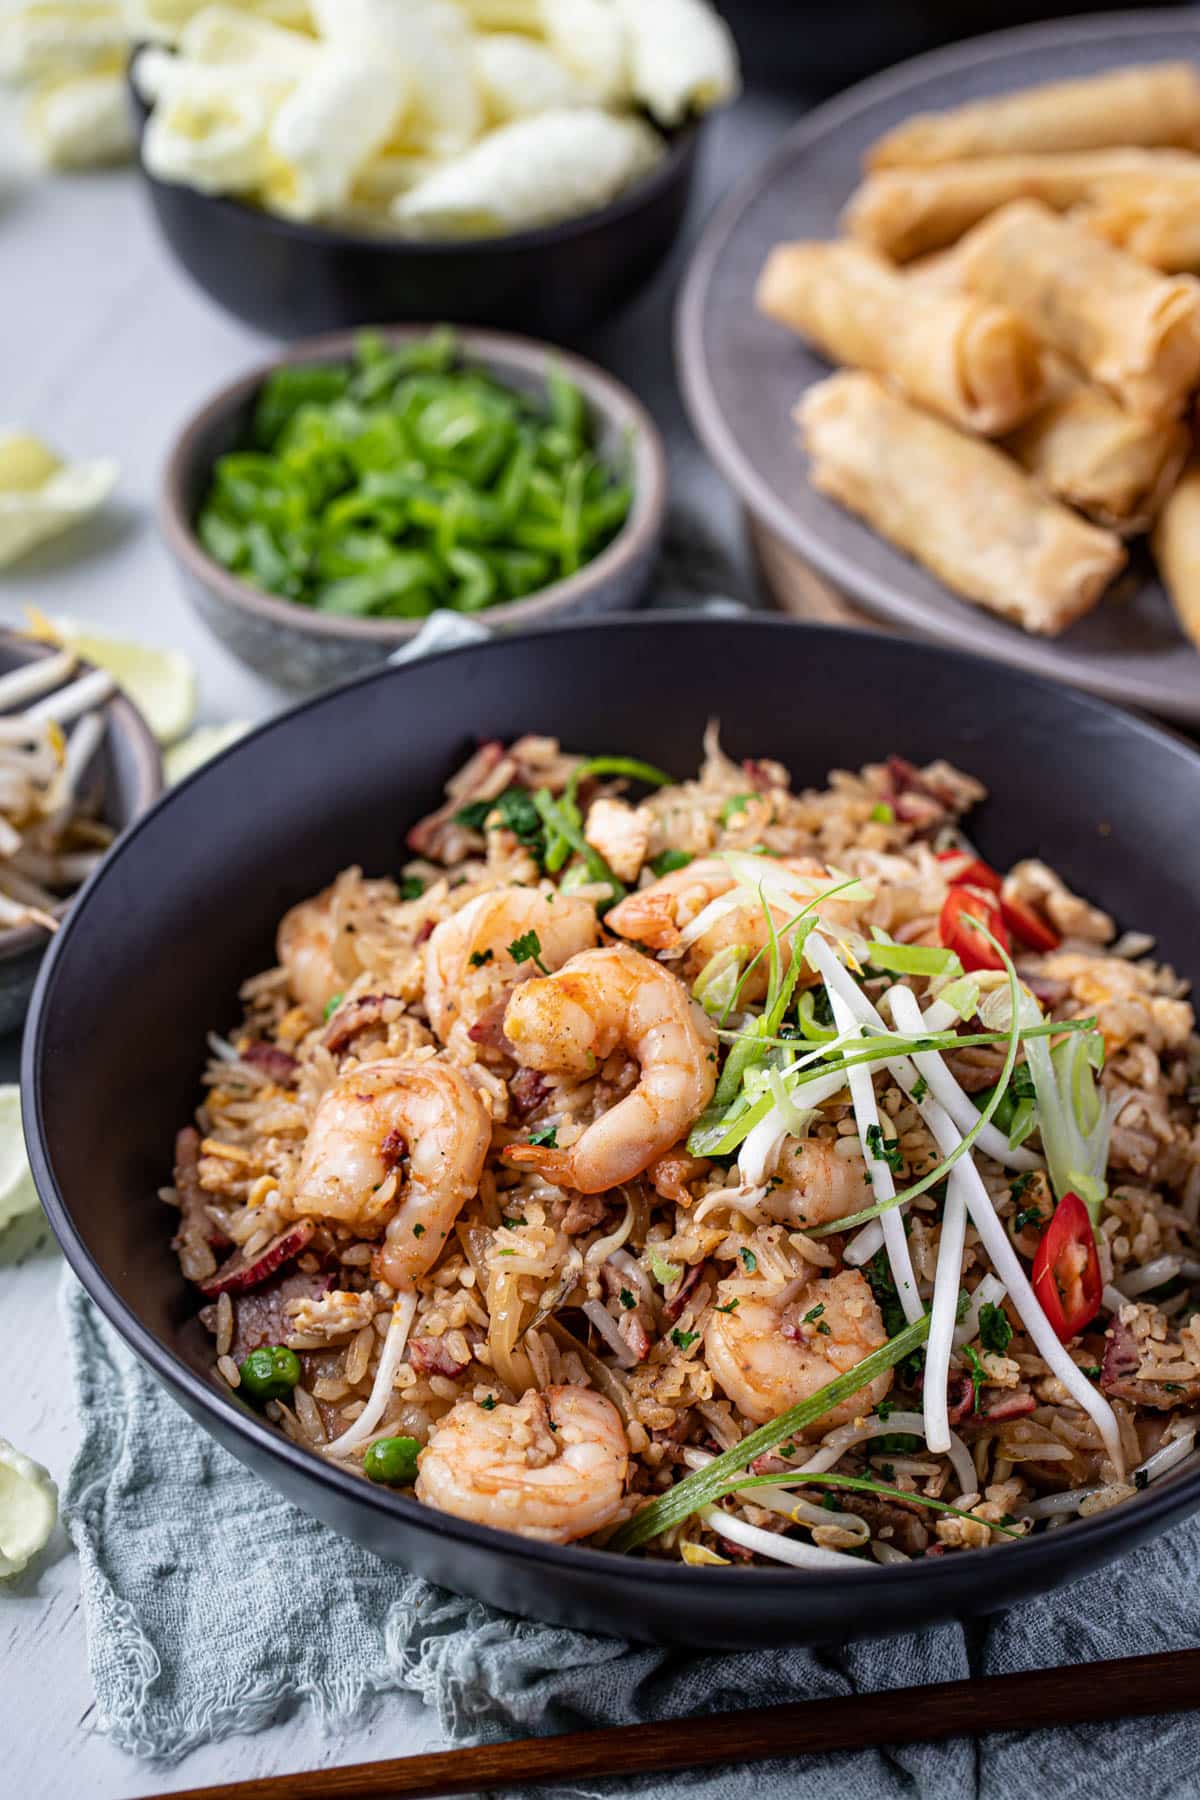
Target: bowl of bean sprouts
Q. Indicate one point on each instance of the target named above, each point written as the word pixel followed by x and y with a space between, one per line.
pixel 78 763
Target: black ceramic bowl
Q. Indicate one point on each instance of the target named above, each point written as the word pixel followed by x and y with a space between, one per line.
pixel 303 650
pixel 294 280
pixel 128 769
pixel 113 1059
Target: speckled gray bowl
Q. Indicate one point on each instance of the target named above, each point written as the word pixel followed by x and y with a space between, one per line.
pixel 129 769
pixel 303 650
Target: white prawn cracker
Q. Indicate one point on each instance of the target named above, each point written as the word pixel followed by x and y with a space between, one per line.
pixel 532 172
pixel 41 496
pixel 28 1509
pixel 682 57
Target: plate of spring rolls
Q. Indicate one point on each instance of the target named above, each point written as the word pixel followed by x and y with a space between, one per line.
pixel 946 345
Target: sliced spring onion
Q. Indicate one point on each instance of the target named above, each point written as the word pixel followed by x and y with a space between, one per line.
pixel 717 984
pixel 703 1486
pixel 1075 1122
pixel 631 767
pixel 911 959
pixel 565 830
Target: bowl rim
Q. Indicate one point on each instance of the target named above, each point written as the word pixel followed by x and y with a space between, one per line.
pixel 500 351
pixel 1105 1533
pixel 125 719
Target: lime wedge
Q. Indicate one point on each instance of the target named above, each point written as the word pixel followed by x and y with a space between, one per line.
pixel 203 743
pixel 161 683
pixel 25 462
pixel 17 1192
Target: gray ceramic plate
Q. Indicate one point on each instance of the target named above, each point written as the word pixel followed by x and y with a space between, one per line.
pixel 742 374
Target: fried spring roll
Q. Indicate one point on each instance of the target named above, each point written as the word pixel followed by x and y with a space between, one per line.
pixel 904 213
pixel 1083 447
pixel 1154 217
pixel 1135 331
pixel 958 506
pixel 1175 542
pixel 1149 105
pixel 975 363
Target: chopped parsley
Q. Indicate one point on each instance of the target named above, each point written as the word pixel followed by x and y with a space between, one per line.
pixel 412 887
pixel 683 1340
pixel 748 1260
pixel 513 1223
pixel 729 1307
pixel 738 803
pixel 885 1409
pixel 528 948
pixel 995 1332
pixel 977 1372
pixel 895 1443
pixel 488 1403
pixel 1172 1387
pixel 668 861
pixel 478 958
pixel 1021 1183
pixel 815 1313
pixel 824 1329
pixel 517 813
pixel 880 1150
pixel 1028 1215
pixel 882 814
pixel 879 1279
pixel 920 1089
pixel 831 1503
pixel 547 1135
pixel 1091 1370
pixel 418 1231
pixel 331 1006
pixel 627 1300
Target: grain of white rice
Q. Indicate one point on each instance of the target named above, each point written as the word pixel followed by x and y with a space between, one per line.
pixel 224 1324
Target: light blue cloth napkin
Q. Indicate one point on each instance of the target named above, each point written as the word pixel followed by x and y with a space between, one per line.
pixel 213 1607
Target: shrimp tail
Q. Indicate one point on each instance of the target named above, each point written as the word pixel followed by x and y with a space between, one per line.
pixel 555 1166
pixel 646 918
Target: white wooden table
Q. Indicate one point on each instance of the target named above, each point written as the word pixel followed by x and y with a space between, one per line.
pixel 105 349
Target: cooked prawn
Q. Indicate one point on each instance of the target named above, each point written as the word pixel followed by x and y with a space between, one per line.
pixel 400 1142
pixel 304 944
pixel 571 1021
pixel 469 964
pixel 815 1185
pixel 776 1349
pixel 315 941
pixel 551 1467
pixel 657 916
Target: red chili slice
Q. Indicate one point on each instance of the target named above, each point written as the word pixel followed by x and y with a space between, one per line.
pixel 965 870
pixel 957 934
pixel 1066 1269
pixel 1028 927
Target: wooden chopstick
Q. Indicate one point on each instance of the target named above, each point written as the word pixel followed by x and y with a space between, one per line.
pixel 1133 1687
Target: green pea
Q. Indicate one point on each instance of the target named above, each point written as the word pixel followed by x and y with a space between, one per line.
pixel 392 1461
pixel 270 1373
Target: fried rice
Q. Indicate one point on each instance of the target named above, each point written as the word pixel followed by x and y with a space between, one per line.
pixel 631 1290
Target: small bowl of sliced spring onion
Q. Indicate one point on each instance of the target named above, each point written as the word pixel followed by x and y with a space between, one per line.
pixel 324 506
pixel 78 763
